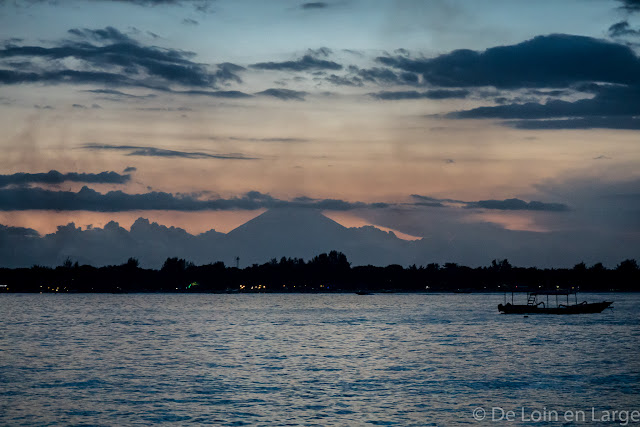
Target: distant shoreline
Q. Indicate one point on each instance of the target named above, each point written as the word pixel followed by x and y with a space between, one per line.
pixel 289 293
pixel 325 273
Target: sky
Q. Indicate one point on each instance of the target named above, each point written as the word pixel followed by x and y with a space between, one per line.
pixel 511 123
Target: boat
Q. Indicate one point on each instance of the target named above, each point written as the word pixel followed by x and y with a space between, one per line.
pixel 535 306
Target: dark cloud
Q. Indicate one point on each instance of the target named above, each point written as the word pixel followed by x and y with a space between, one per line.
pixel 42 107
pixel 505 205
pixel 306 63
pixel 322 51
pixel 314 5
pixel 130 169
pixel 211 93
pixel 628 123
pixel 199 5
pixel 84 107
pixel 133 150
pixel 344 81
pixel 557 60
pixel 18 199
pixel 613 106
pixel 228 72
pixel 231 67
pixel 408 78
pixel 378 75
pixel 194 92
pixel 382 76
pixel 111 57
pixel 553 93
pixel 427 202
pixel 108 34
pixel 517 205
pixel 189 21
pixel 284 94
pixel 433 199
pixel 385 76
pixel 119 94
pixel 430 94
pixel 17 232
pixel 598 203
pixel 622 29
pixel 55 177
pixel 630 6
pixel 63 76
pixel 157 2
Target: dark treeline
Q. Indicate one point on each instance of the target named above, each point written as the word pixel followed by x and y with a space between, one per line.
pixel 324 273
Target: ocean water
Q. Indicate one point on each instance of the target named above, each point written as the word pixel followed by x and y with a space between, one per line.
pixel 323 359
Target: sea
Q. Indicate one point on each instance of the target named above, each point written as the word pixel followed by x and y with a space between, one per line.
pixel 313 360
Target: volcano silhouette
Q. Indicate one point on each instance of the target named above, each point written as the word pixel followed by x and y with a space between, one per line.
pixel 304 233
pixel 291 233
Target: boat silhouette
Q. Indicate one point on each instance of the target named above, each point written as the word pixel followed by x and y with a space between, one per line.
pixel 536 306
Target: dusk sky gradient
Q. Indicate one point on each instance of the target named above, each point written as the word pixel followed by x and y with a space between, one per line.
pixel 513 125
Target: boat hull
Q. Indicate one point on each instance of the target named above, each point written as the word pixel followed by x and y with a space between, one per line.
pixel 584 308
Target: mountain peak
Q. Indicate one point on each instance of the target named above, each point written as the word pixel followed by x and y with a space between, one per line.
pixel 288 221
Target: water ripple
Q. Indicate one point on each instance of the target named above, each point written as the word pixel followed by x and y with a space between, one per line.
pixel 321 360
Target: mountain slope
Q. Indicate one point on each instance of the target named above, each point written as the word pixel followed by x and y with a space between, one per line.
pixel 304 233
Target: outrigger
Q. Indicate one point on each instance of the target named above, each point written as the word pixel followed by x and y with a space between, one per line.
pixel 534 306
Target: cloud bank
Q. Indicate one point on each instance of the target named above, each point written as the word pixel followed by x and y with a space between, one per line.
pixel 556 60
pixel 87 199
pixel 306 63
pixel 135 150
pixel 109 56
pixel 314 5
pixel 503 205
pixel 55 177
pixel 284 94
pixel 429 94
pixel 22 198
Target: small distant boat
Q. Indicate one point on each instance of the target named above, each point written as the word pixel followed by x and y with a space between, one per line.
pixel 534 306
pixel 364 293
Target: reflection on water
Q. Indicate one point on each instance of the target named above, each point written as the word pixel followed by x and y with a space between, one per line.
pixel 305 359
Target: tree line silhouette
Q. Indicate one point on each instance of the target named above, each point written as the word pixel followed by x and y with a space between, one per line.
pixel 327 272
